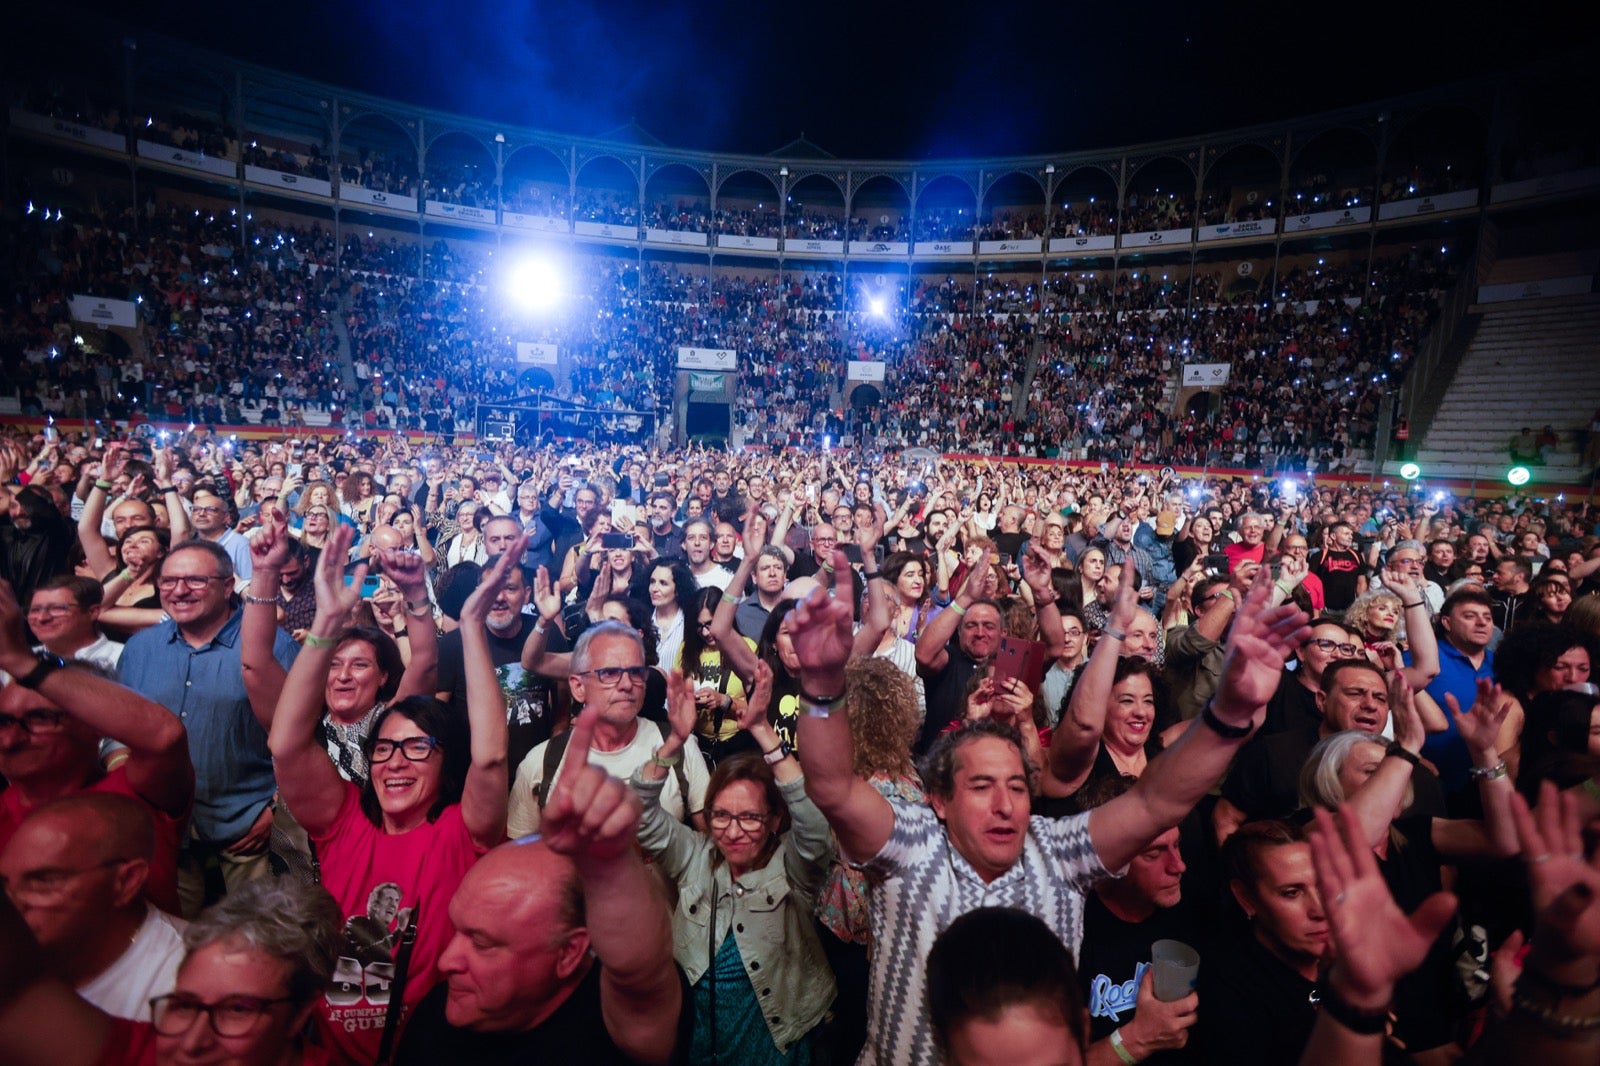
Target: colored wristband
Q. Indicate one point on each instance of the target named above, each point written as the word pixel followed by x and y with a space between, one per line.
pixel 1122 1049
pixel 314 641
pixel 957 608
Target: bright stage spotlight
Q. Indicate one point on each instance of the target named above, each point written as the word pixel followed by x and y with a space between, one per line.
pixel 878 306
pixel 534 284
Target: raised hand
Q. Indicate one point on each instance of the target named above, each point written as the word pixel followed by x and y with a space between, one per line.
pixel 1480 725
pixel 1293 571
pixel 546 600
pixel 820 629
pixel 1409 732
pixel 407 571
pixel 1402 585
pixel 1261 640
pixel 269 548
pixel 1036 572
pixel 1375 941
pixel 1566 887
pixel 1123 608
pixel 590 817
pixel 335 599
pixel 753 714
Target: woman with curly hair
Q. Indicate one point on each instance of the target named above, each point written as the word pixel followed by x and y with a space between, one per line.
pixel 1378 617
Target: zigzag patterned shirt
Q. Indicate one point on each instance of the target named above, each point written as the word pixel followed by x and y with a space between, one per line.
pixel 926 884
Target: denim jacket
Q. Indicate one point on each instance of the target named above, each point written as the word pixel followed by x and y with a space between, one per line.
pixel 769 910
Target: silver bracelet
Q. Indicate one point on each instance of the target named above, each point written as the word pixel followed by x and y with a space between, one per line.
pixel 1488 773
pixel 259 601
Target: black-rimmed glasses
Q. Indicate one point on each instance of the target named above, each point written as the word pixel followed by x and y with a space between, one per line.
pixel 174 1014
pixel 415 749
pixel 749 821
pixel 610 675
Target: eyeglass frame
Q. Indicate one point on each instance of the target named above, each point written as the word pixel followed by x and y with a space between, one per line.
pixel 639 675
pixel 729 818
pixel 198 1007
pixel 170 584
pixel 57 721
pixel 1348 650
pixel 400 746
pixel 52 610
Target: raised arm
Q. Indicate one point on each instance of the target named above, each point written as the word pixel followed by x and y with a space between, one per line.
pixel 484 796
pixel 158 766
pixel 1419 629
pixel 547 602
pixel 876 619
pixel 932 651
pixel 593 818
pixel 258 631
pixel 1076 740
pixel 409 574
pixel 1036 579
pixel 1480 727
pixel 820 629
pixel 307 778
pixel 734 650
pixel 1261 641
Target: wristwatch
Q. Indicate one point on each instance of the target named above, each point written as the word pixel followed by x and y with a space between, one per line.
pixel 48 664
pixel 777 754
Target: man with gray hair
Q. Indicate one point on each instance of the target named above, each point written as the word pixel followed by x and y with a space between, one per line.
pixel 1404 576
pixel 608 673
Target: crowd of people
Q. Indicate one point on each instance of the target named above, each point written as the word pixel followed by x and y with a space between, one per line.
pixel 338 751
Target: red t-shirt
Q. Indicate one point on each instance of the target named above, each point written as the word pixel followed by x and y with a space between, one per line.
pixel 162 887
pixel 382 880
pixel 134 1044
pixel 1236 552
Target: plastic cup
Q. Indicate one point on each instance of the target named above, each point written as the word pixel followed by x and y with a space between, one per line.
pixel 1176 967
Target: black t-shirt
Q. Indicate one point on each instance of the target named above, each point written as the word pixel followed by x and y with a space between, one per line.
pixel 1114 956
pixel 1265 779
pixel 1425 1004
pixel 530 699
pixel 1339 571
pixel 1253 1008
pixel 946 692
pixel 1293 706
pixel 1009 543
pixel 575 1033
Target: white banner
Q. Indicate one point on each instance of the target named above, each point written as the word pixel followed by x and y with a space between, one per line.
pixel 1029 246
pixel 1428 205
pixel 160 153
pixel 1103 243
pixel 360 194
pixel 810 247
pixel 542 223
pixel 460 212
pixel 530 353
pixel 68 131
pixel 747 244
pixel 857 370
pixel 1263 227
pixel 1551 185
pixel 294 182
pixel 1205 374
pixel 1535 290
pixel 1156 238
pixel 1350 216
pixel 880 249
pixel 606 229
pixel 960 248
pixel 676 236
pixel 707 359
pixel 102 312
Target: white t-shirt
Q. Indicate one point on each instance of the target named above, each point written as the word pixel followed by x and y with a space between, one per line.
pixel 716 576
pixel 522 817
pixel 149 968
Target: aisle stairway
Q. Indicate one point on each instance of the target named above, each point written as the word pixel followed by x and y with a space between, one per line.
pixel 1526 366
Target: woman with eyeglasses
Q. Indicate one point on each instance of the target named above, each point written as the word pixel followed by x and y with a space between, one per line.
pixel 434 802
pixel 315 526
pixel 467 545
pixel 742 927
pixel 254 968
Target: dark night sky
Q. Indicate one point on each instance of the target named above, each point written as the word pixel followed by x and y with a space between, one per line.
pixel 875 80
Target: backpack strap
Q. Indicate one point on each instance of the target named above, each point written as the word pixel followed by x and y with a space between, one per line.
pixel 554 750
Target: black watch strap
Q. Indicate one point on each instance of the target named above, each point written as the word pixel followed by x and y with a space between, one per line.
pixel 1358 1021
pixel 1400 752
pixel 1223 729
pixel 48 664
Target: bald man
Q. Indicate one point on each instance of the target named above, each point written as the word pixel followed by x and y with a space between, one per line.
pixel 76 870
pixel 563 943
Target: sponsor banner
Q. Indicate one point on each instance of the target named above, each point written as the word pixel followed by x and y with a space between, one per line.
pixel 707 359
pixel 160 153
pixel 1156 238
pixel 1428 205
pixel 606 229
pixel 1104 243
pixel 703 382
pixel 102 312
pixel 810 247
pixel 864 370
pixel 296 182
pixel 1350 216
pixel 460 212
pixel 747 244
pixel 1535 290
pixel 676 236
pixel 1552 185
pixel 542 223
pixel 1261 227
pixel 880 249
pixel 1030 246
pixel 942 248
pixel 360 194
pixel 532 354
pixel 1205 374
pixel 67 131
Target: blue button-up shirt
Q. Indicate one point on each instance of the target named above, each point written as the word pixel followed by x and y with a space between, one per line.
pixel 204 686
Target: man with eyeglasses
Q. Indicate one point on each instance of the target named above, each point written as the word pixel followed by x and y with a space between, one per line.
pixel 64 615
pixel 252 973
pixel 608 673
pixel 53 715
pixel 77 870
pixel 211 516
pixel 190 664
